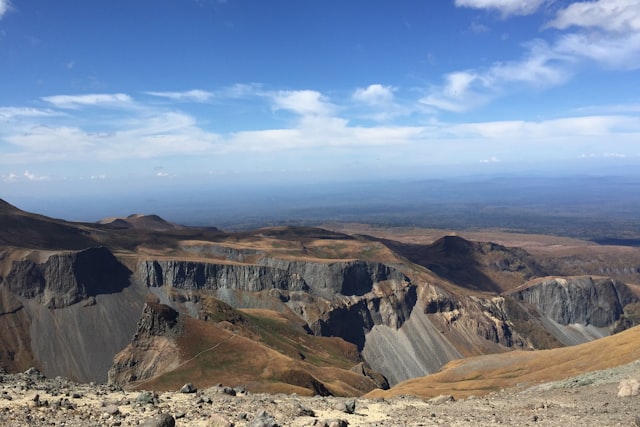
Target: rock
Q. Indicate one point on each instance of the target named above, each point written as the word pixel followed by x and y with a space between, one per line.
pixel 585 300
pixel 217 420
pixel 302 411
pixel 112 410
pixel 188 388
pixel 262 419
pixel 443 398
pixel 628 387
pixel 161 420
pixel 145 397
pixel 347 406
pixel 33 372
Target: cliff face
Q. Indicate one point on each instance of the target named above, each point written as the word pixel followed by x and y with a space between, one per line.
pixel 66 278
pixel 74 311
pixel 585 300
pixel 323 279
pixel 152 349
pixel 344 299
pixel 207 276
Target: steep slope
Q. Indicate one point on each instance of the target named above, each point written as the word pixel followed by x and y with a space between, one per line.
pixel 578 309
pixel 484 374
pixel 26 230
pixel 169 350
pixel 66 312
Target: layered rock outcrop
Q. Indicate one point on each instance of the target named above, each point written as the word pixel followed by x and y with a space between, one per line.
pixel 597 301
pixel 344 299
pixel 66 278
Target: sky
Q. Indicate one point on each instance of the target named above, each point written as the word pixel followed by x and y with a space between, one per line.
pixel 124 94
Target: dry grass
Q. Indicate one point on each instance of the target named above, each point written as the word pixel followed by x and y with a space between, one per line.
pixel 484 374
pixel 262 351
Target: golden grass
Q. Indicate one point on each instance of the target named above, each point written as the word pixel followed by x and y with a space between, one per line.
pixel 484 374
pixel 262 351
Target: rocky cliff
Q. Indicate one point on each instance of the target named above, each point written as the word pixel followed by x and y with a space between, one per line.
pixel 152 349
pixel 72 311
pixel 66 278
pixel 344 299
pixel 578 308
pixel 598 301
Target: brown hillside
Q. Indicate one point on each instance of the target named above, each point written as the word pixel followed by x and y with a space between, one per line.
pixel 484 374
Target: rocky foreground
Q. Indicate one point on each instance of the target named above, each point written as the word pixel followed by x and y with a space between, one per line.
pixel 600 398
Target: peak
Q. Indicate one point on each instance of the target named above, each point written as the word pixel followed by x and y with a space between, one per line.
pixel 452 243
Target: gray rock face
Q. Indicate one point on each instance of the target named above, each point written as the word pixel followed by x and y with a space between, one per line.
pixel 197 275
pixel 324 279
pixel 353 278
pixel 585 300
pixel 64 279
pixel 343 299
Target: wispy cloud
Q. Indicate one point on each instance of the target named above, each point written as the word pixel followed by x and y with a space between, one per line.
pixel 615 44
pixel 5 5
pixel 10 177
pixel 620 16
pixel 78 101
pixel 33 177
pixel 10 113
pixel 195 95
pixel 505 7
pixel 541 67
pixel 492 159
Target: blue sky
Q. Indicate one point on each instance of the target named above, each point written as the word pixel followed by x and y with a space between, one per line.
pixel 124 92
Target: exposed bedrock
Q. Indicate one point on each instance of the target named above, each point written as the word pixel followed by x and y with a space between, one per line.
pixel 66 278
pixel 152 349
pixel 344 299
pixel 585 300
pixel 189 275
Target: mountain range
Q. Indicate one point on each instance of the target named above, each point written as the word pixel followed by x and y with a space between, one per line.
pixel 141 303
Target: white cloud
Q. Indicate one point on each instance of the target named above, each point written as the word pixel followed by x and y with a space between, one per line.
pixel 566 127
pixel 12 113
pixel 195 95
pixel 77 101
pixel 492 159
pixel 99 177
pixel 302 102
pixel 11 177
pixel 505 7
pixel 374 94
pixel 465 90
pixel 143 136
pixel 5 5
pixel 242 90
pixel 622 53
pixel 32 177
pixel 614 44
pixel 622 16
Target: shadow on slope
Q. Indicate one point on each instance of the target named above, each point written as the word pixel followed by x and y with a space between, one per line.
pixel 477 266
